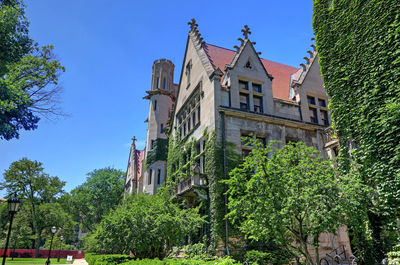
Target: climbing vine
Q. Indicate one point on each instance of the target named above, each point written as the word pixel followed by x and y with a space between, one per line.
pixel 184 156
pixel 358 43
pixel 159 151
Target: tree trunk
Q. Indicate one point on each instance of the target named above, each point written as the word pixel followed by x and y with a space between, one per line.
pixel 38 241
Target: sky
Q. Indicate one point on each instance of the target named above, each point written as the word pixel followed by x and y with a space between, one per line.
pixel 108 48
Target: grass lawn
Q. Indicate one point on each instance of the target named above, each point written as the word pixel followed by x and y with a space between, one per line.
pixel 26 261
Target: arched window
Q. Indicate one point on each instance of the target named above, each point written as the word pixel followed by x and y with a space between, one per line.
pixel 163 83
pixel 150 176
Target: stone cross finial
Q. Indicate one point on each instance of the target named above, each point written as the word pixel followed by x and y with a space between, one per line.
pixel 193 25
pixel 246 31
pixel 133 140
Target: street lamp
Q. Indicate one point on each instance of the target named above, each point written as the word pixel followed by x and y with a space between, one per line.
pixel 61 239
pixel 13 205
pixel 53 231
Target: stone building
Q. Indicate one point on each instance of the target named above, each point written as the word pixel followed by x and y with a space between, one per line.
pixel 234 93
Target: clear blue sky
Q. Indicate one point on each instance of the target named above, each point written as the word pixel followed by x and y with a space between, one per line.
pixel 108 48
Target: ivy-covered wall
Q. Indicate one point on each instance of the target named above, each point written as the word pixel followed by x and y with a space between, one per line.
pixel 184 156
pixel 358 43
pixel 159 152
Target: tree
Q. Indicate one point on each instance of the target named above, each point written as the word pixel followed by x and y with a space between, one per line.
pixel 28 74
pixel 34 188
pixel 97 196
pixel 287 195
pixel 358 47
pixel 146 225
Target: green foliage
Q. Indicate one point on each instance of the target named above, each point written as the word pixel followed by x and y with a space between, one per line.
pixel 39 209
pixel 197 251
pixel 96 259
pixel 287 195
pixel 28 74
pixel 265 258
pixel 159 151
pixel 183 157
pixel 359 50
pixel 146 226
pixel 97 196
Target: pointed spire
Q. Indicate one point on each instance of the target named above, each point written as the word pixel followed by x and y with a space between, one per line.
pixel 246 31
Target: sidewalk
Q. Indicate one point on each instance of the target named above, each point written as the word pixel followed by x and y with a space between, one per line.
pixel 80 262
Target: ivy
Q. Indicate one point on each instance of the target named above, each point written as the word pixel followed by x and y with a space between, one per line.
pixel 159 152
pixel 358 43
pixel 183 157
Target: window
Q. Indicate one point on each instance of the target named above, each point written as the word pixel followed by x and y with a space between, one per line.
pixel 194 118
pixel 162 128
pixel 188 70
pixel 322 102
pixel 311 100
pixel 258 106
pixel 313 115
pixel 257 88
pixel 324 117
pixel 155 105
pixel 248 65
pixel 336 151
pixel 158 82
pixel 244 101
pixel 189 124
pixel 152 144
pixel 164 83
pixel 198 114
pixel 150 176
pixel 158 176
pixel 184 129
pixel 243 85
pixel 187 115
pixel 262 140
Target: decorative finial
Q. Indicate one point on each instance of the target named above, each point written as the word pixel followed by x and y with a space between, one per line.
pixel 241 41
pixel 307 60
pixel 313 46
pixel 311 54
pixel 133 140
pixel 193 25
pixel 246 31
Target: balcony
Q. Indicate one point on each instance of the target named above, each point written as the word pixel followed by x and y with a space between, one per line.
pixel 330 138
pixel 184 186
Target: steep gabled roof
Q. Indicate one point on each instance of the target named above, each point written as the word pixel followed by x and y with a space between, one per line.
pixel 219 57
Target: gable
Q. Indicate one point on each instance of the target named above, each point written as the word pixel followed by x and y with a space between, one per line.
pixel 219 57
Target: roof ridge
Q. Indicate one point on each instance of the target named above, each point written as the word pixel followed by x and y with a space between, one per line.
pixel 260 57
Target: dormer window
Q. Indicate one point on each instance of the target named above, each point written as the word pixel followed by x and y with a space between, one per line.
pixel 257 88
pixel 243 85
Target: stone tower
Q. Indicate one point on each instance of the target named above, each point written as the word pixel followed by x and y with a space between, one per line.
pixel 162 98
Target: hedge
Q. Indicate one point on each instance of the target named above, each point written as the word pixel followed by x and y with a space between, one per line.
pixel 98 259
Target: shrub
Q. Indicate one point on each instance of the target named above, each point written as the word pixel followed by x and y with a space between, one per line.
pixel 197 251
pixel 98 259
pixel 264 258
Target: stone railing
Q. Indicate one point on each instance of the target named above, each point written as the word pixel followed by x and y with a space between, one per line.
pixel 329 134
pixel 186 184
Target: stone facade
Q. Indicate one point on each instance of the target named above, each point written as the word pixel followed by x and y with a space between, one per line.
pixel 236 93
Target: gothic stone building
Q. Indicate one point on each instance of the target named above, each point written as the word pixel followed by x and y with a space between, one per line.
pixel 233 93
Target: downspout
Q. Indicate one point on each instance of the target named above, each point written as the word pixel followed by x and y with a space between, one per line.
pixel 225 186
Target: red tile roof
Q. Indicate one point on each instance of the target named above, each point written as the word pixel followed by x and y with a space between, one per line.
pixel 139 157
pixel 219 57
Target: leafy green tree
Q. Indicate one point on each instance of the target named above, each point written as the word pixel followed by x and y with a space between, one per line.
pixel 28 74
pixel 358 46
pixel 34 187
pixel 287 195
pixel 147 226
pixel 97 196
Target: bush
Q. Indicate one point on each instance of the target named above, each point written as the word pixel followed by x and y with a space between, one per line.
pixel 264 258
pixel 98 259
pixel 197 251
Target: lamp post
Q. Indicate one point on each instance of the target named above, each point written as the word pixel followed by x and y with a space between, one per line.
pixel 61 239
pixel 53 231
pixel 13 205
